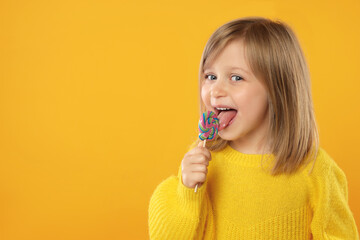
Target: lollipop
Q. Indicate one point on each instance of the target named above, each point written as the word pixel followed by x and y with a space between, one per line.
pixel 208 128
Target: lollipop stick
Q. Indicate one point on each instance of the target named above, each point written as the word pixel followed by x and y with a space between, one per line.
pixel 197 184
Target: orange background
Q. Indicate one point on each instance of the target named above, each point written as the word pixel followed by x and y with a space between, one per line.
pixel 99 102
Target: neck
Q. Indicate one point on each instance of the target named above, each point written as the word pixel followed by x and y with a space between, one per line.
pixel 250 146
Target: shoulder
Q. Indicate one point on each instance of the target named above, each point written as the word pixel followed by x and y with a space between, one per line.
pixel 335 176
pixel 325 172
pixel 323 164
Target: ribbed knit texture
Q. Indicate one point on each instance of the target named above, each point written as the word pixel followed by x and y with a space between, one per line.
pixel 241 200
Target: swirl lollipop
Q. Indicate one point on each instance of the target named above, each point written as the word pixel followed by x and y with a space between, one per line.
pixel 208 128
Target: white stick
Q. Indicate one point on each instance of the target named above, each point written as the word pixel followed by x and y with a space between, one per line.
pixel 197 184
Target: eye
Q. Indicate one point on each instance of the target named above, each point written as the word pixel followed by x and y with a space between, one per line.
pixel 207 75
pixel 212 77
pixel 237 77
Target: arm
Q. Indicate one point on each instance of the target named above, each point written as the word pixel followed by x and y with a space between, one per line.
pixel 332 218
pixel 177 212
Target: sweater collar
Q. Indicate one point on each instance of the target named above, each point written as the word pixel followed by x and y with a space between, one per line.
pixel 244 159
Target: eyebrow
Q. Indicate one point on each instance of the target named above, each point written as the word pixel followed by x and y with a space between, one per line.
pixel 232 68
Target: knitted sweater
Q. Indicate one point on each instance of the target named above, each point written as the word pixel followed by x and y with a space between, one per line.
pixel 240 200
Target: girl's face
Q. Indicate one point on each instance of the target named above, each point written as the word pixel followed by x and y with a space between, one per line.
pixel 228 81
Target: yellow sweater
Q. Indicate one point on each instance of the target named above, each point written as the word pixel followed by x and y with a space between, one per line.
pixel 240 200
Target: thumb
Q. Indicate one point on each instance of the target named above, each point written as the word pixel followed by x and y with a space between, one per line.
pixel 201 144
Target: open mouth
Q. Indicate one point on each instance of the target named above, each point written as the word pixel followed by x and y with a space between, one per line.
pixel 218 111
pixel 226 117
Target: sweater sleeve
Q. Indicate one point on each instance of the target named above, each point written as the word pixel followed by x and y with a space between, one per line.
pixel 332 217
pixel 177 212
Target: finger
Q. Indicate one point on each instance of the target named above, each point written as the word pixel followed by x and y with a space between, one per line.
pixel 199 177
pixel 199 168
pixel 202 150
pixel 199 158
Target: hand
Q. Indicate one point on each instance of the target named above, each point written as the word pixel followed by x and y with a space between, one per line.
pixel 194 166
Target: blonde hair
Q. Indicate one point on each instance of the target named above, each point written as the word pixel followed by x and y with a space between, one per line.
pixel 275 57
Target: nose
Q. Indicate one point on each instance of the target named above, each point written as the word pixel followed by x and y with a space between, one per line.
pixel 217 89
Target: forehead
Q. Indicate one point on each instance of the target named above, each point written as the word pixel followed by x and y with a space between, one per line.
pixel 231 57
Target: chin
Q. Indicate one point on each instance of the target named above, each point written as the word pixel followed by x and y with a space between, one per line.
pixel 226 136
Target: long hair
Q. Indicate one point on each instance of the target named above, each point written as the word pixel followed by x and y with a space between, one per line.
pixel 275 57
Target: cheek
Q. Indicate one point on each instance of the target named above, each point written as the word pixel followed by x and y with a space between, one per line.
pixel 259 106
pixel 205 95
pixel 252 105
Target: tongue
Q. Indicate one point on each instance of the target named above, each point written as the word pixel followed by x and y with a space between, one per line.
pixel 225 117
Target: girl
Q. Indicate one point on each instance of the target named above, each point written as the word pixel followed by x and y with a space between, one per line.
pixel 253 74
